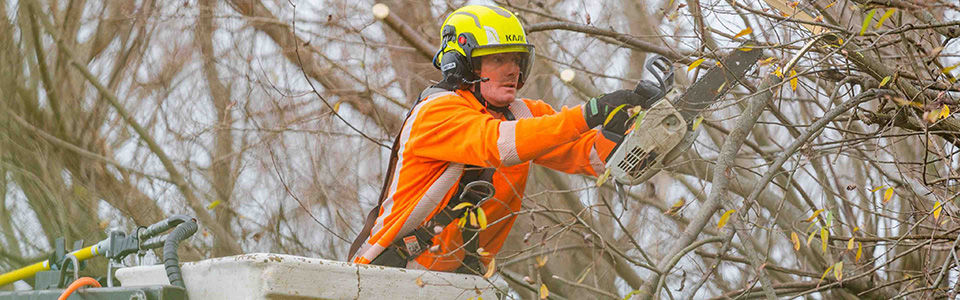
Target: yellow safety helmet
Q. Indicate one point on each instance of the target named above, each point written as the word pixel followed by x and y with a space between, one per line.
pixel 478 30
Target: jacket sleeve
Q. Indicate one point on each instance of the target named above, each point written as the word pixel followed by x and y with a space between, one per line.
pixel 584 155
pixel 448 129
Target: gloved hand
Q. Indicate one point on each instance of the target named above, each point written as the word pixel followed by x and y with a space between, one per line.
pixel 596 110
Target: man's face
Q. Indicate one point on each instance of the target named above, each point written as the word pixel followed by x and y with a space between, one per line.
pixel 503 69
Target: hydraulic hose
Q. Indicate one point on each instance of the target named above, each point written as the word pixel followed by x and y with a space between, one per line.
pixel 83 281
pixel 171 262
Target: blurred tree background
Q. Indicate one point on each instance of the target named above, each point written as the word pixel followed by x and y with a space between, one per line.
pixel 271 121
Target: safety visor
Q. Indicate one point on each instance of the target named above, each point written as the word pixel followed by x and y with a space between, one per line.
pixel 526 58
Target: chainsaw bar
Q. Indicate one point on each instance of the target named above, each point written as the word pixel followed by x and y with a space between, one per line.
pixel 718 80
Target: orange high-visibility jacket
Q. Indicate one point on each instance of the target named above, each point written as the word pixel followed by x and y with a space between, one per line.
pixel 449 130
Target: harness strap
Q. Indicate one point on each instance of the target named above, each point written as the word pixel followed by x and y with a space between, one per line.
pixel 410 246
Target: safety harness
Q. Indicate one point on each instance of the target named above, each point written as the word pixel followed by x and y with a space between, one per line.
pixel 408 247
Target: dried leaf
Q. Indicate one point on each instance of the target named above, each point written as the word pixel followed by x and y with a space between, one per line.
pixel 420 282
pixel 541 261
pixel 544 292
pixel 491 268
pixel 944 112
pixel 697 63
pixel 810 237
pixel 795 239
pixel 743 32
pixel 814 216
pixel 866 21
pixel 824 234
pixel 725 218
pixel 336 106
pixel 885 80
pixel 885 16
pixel 829 5
pixel 838 271
pixel 887 195
pixel 793 79
pixel 850 244
pixel 767 61
pixel 859 251
pixel 937 207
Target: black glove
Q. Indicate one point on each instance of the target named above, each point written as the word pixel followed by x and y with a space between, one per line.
pixel 596 110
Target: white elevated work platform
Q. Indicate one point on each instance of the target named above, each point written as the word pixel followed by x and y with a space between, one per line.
pixel 278 276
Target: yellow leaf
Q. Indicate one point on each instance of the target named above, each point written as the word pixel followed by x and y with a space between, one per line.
pixel 743 32
pixel 838 271
pixel 850 244
pixel 491 268
pixel 877 188
pixel 887 195
pixel 697 63
pixel 859 251
pixel 937 207
pixel 778 72
pixel 336 106
pixel 473 220
pixel 724 218
pixel 885 16
pixel 214 204
pixel 462 205
pixel 463 222
pixel 603 178
pixel 795 239
pixel 824 234
pixel 696 122
pixel 866 21
pixel 793 79
pixel 541 261
pixel 766 61
pixel 814 216
pixel 855 229
pixel 481 218
pixel 944 112
pixel 746 48
pixel 544 292
pixel 613 113
pixel 825 274
pixel 810 237
pixel 885 80
pixel 946 71
pixel 721 87
pixel 676 207
pixel 829 5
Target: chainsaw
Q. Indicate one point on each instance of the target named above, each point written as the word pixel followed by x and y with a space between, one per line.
pixel 668 128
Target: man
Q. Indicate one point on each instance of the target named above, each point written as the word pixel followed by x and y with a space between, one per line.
pixel 471 127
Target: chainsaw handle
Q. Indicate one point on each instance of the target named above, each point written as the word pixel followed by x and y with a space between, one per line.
pixel 661 69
